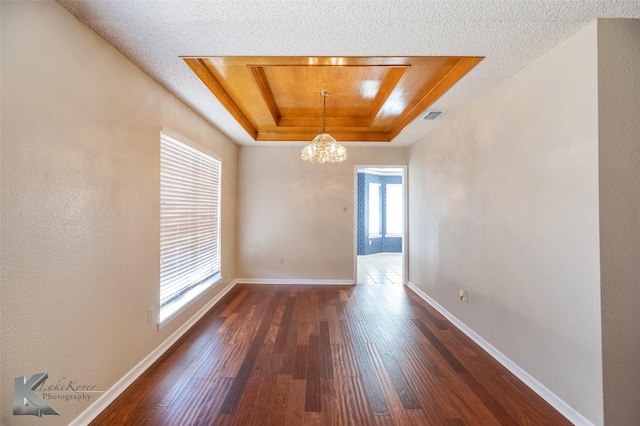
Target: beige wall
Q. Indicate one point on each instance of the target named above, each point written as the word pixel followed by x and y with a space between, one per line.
pixel 503 202
pixel 80 204
pixel 619 132
pixel 1 351
pixel 291 209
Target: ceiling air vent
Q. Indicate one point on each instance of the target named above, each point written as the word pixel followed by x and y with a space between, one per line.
pixel 433 114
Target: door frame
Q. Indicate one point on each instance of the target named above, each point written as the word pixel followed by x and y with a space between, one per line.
pixel 405 259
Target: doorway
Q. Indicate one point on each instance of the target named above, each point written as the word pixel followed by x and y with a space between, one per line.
pixel 380 212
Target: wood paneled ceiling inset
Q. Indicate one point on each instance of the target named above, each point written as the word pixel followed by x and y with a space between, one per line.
pixel 371 98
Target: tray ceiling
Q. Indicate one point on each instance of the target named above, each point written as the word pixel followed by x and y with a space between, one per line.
pixel 371 98
pixel 510 35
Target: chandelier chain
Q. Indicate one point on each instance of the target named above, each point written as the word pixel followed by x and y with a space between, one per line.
pixel 324 94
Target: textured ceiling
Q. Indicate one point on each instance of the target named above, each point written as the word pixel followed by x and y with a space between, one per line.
pixel 509 34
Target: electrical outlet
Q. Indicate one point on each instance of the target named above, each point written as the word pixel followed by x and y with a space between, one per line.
pixel 150 315
pixel 282 260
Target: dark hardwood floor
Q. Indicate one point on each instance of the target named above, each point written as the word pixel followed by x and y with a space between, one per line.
pixel 327 355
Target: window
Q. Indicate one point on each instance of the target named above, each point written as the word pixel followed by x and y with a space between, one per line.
pixel 374 210
pixel 189 224
pixel 393 210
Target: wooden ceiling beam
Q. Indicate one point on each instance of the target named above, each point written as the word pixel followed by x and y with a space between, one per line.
pixel 371 98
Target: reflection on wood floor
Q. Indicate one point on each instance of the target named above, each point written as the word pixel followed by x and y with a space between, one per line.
pixel 327 355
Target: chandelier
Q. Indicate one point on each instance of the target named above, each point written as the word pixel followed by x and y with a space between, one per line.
pixel 324 148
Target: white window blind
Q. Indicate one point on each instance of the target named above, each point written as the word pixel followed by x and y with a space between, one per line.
pixel 374 210
pixel 189 223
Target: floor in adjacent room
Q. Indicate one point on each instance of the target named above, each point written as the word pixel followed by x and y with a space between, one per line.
pixel 380 268
pixel 360 355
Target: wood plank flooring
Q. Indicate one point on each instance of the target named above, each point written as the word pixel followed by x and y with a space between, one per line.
pixel 326 355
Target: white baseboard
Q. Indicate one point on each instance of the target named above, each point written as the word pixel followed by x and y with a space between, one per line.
pixel 565 409
pixel 292 281
pixel 121 385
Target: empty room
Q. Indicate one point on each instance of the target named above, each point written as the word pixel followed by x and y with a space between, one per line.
pixel 320 212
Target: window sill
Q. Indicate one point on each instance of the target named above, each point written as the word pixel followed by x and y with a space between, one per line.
pixel 170 311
